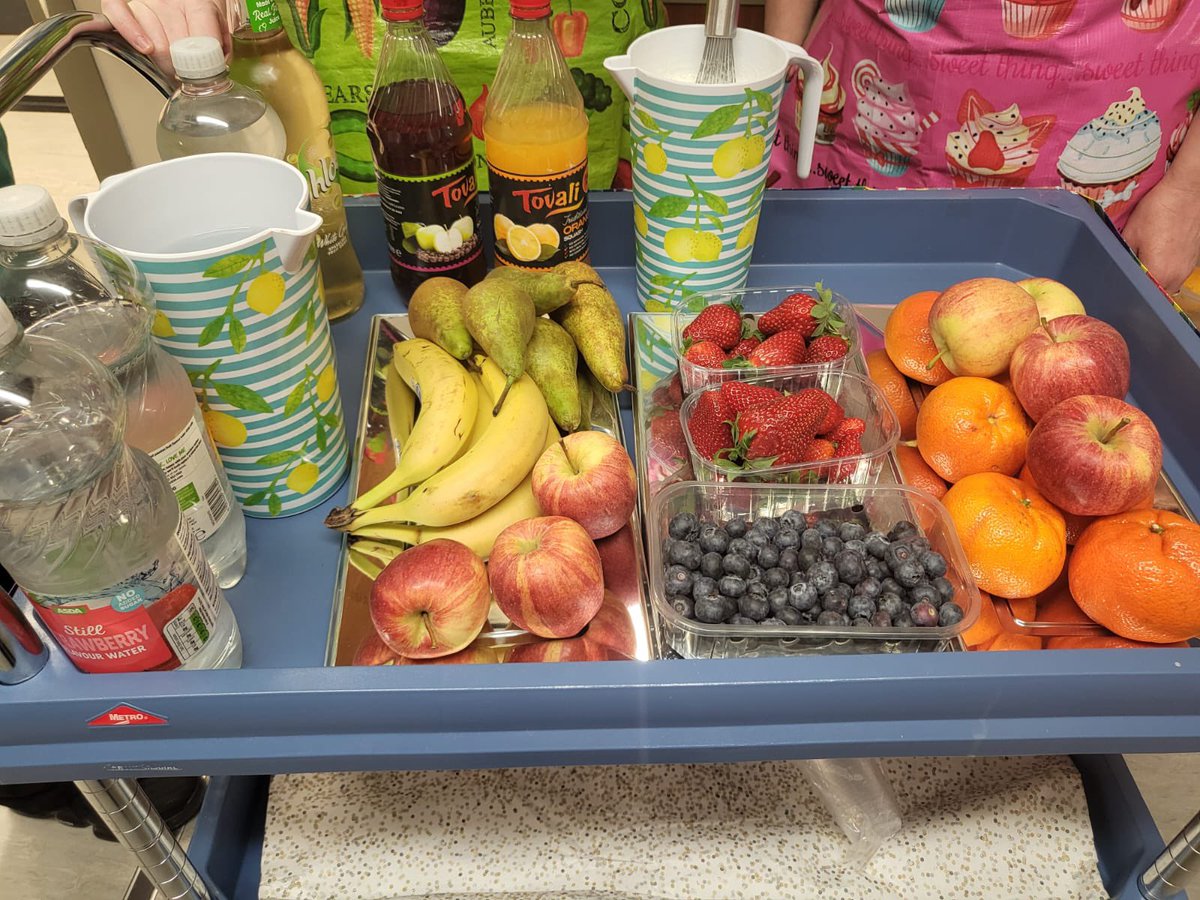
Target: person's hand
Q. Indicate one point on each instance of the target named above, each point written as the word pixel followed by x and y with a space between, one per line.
pixel 1164 231
pixel 151 25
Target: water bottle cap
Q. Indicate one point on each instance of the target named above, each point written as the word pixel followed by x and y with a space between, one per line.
pixel 28 215
pixel 197 57
pixel 530 9
pixel 402 10
pixel 8 326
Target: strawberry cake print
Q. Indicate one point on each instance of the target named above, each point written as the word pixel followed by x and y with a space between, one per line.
pixel 1105 158
pixel 1181 129
pixel 833 103
pixel 1150 15
pixel 888 125
pixel 994 148
pixel 914 15
pixel 1036 20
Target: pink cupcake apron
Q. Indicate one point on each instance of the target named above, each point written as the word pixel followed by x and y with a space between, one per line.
pixel 1091 95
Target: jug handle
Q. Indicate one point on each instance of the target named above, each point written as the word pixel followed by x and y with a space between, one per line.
pixel 809 105
pixel 622 71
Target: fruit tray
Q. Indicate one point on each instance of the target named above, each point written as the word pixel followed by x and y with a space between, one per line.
pixel 376 453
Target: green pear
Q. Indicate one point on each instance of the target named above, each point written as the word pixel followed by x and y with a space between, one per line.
pixel 551 361
pixel 586 398
pixel 435 314
pixel 593 319
pixel 548 290
pixel 499 316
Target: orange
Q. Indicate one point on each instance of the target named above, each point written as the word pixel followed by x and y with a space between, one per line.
pixel 1076 525
pixel 1016 542
pixel 986 627
pixel 916 471
pixel 908 341
pixel 1023 608
pixel 1138 574
pixel 1011 641
pixel 970 425
pixel 1102 642
pixel 894 386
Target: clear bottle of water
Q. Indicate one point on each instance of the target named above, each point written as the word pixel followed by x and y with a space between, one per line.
pixel 71 288
pixel 91 529
pixel 210 112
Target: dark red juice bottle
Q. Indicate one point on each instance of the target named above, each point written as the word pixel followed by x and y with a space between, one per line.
pixel 420 132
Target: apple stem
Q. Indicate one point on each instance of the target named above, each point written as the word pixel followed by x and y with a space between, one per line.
pixel 1045 323
pixel 1112 432
pixel 429 627
pixel 933 362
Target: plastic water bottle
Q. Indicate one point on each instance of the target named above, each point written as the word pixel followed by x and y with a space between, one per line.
pixel 210 112
pixel 73 289
pixel 90 528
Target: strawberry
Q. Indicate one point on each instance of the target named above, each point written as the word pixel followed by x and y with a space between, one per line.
pixel 832 411
pixel 827 349
pixel 669 395
pixel 779 429
pixel 706 354
pixel 709 424
pixel 745 346
pixel 783 349
pixel 740 395
pixel 804 313
pixel 667 442
pixel 847 429
pixel 817 450
pixel 720 323
pixel 848 447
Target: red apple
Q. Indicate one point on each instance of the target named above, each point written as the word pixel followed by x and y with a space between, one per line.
pixel 431 600
pixel 1095 456
pixel 619 563
pixel 580 649
pixel 1066 357
pixel 372 651
pixel 612 627
pixel 546 576
pixel 588 477
pixel 977 324
pixel 473 654
pixel 1053 298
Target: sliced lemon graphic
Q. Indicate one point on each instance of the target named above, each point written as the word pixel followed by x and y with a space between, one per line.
pixel 162 325
pixel 523 244
pixel 500 224
pixel 546 234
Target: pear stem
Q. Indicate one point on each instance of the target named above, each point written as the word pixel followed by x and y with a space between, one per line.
pixel 1112 432
pixel 503 394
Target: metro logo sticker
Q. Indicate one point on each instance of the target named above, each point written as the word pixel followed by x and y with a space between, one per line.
pixel 124 714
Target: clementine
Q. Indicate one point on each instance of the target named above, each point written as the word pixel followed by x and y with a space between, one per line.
pixel 1015 542
pixel 970 425
pixel 1012 641
pixel 1102 642
pixel 915 471
pixel 986 627
pixel 1138 573
pixel 908 342
pixel 894 386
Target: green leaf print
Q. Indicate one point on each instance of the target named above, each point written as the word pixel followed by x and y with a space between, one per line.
pixel 720 119
pixel 663 281
pixel 274 505
pixel 237 335
pixel 278 458
pixel 668 207
pixel 296 319
pixel 255 498
pixel 211 331
pixel 242 397
pixel 295 398
pixel 646 119
pixel 228 265
pixel 715 203
pixel 763 99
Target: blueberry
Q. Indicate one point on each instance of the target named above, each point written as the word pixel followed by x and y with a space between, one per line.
pixel 869 587
pixel 850 568
pixel 876 544
pixel 731 607
pixel 827 528
pixel 684 606
pixel 789 616
pixel 836 601
pixel 829 617
pixel 904 620
pixel 802 595
pixel 683 526
pixel 924 615
pixel 851 531
pixel 739 619
pixel 950 614
pixel 876 569
pixel 758 538
pixel 793 519
pixel 860 622
pixel 776 578
pixel 900 529
pixel 855 547
pixel 768 556
pixel 823 576
pixel 756 608
pixel 831 547
pixel 678 580
pixel 881 620
pixel 732 586
pixel 737 528
pixel 767 526
pixel 934 563
pixel 713 539
pixel 944 587
pixel 806 559
pixel 757 588
pixel 892 604
pixel 811 539
pixel 710 609
pixel 772 621
pixel 860 607
pixel 925 593
pixel 742 547
pixel 703 586
pixel 778 599
pixel 920 546
pixel 733 564
pixel 897 553
pixel 787 538
pixel 789 560
pixel 892 585
pixel 909 573
pixel 685 553
pixel 755 574
pixel 712 565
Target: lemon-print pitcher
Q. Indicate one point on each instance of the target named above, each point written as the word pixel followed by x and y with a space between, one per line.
pixel 226 241
pixel 700 160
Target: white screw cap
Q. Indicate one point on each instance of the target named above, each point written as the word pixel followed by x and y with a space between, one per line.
pixel 197 57
pixel 8 326
pixel 28 215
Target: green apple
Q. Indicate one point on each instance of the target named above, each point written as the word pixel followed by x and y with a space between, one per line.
pixel 427 236
pixel 977 324
pixel 1054 299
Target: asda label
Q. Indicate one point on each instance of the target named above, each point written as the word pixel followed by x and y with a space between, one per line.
pixel 432 223
pixel 188 465
pixel 263 15
pixel 540 221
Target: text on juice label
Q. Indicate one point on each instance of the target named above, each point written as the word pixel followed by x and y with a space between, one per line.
pixel 263 15
pixel 189 468
pixel 540 221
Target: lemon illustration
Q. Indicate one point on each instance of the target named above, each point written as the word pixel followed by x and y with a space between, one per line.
pixel 523 244
pixel 677 243
pixel 500 224
pixel 753 149
pixel 265 293
pixel 326 382
pixel 746 236
pixel 655 158
pixel 730 158
pixel 302 478
pixel 224 429
pixel 546 234
pixel 639 221
pixel 706 246
pixel 162 325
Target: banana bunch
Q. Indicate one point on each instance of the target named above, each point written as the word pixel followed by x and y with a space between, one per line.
pixel 464 471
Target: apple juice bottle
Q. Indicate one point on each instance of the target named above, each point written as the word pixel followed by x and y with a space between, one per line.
pixel 420 132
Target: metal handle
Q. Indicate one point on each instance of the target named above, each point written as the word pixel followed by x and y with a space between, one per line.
pixel 1177 868
pixel 720 21
pixel 34 51
pixel 22 653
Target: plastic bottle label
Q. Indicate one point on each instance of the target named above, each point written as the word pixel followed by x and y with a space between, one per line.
pixel 189 468
pixel 432 223
pixel 263 15
pixel 157 618
pixel 540 221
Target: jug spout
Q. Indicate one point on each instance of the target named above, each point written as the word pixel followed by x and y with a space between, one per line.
pixel 293 243
pixel 622 70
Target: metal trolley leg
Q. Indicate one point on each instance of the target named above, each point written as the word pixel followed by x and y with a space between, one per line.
pixel 125 809
pixel 1177 868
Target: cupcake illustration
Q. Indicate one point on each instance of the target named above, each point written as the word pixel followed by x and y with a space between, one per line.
pixel 1035 20
pixel 1104 158
pixel 887 123
pixel 833 103
pixel 1150 15
pixel 913 15
pixel 994 148
pixel 1181 129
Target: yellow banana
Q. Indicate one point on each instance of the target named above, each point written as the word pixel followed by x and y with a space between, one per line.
pixel 365 564
pixel 376 550
pixel 449 404
pixel 483 415
pixel 401 405
pixel 488 472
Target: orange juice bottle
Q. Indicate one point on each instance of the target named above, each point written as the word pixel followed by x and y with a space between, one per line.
pixel 535 136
